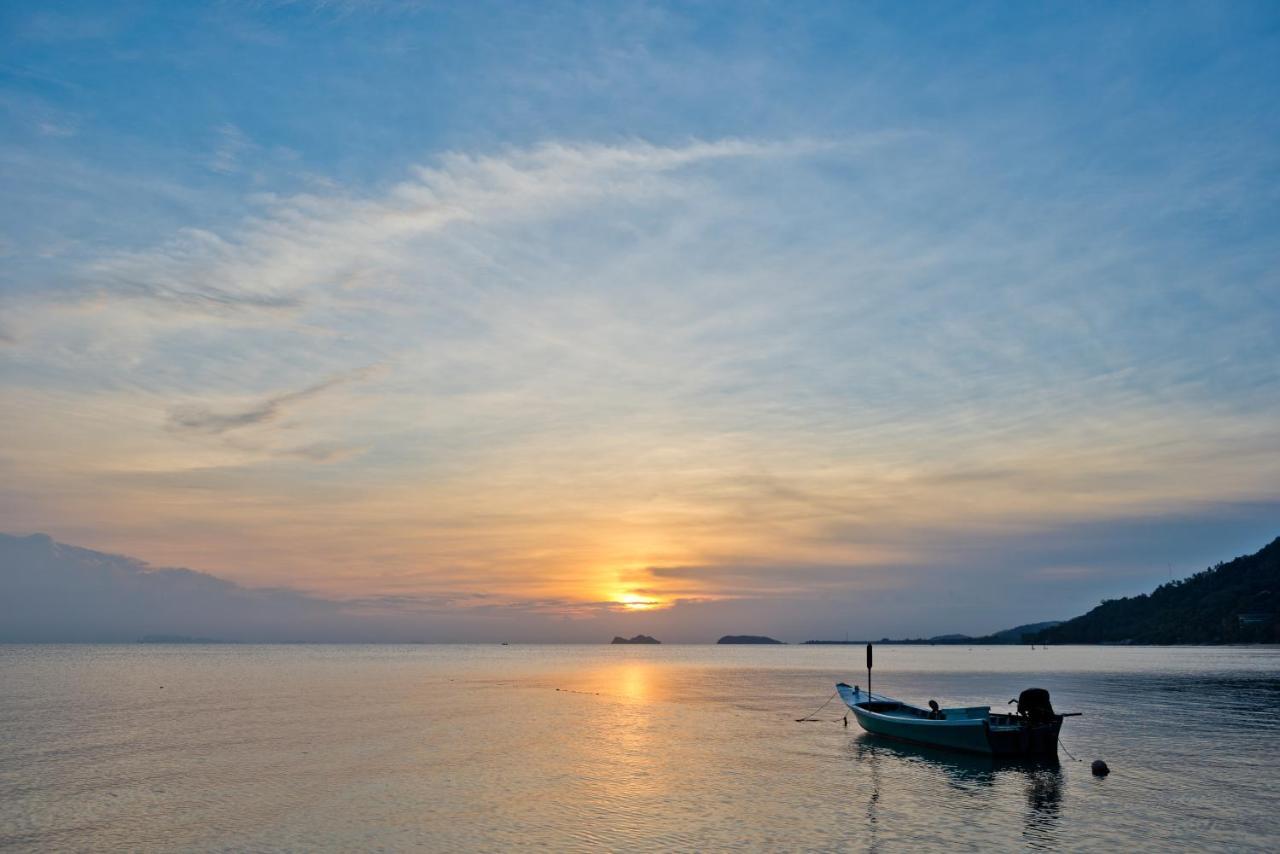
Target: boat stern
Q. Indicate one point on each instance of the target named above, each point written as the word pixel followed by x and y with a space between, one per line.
pixel 1025 740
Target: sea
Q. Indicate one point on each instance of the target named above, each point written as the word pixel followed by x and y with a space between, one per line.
pixel 151 747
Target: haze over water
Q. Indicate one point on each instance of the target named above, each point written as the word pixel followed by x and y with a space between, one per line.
pixel 621 748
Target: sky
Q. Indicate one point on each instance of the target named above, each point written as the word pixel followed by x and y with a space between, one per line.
pixel 553 321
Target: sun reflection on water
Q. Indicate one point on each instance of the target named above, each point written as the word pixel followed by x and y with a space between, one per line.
pixel 633 682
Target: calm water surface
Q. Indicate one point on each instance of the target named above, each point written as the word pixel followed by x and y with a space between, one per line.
pixel 622 748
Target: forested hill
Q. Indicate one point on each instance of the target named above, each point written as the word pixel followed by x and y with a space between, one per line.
pixel 1233 602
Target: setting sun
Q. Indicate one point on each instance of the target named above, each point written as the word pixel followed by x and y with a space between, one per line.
pixel 634 602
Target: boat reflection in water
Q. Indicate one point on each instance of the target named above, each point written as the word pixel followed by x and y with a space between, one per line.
pixel 975 783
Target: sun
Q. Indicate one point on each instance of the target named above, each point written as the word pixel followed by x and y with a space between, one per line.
pixel 635 602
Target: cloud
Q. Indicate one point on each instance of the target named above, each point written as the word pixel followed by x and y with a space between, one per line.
pixel 309 242
pixel 979 580
pixel 323 453
pixel 208 300
pixel 232 143
pixel 198 418
pixel 761 580
pixel 773 370
pixel 55 129
pixel 54 592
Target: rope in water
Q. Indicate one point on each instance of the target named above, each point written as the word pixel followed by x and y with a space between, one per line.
pixel 1063 745
pixel 809 718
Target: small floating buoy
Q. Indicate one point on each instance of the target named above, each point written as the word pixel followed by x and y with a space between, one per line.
pixel 1100 768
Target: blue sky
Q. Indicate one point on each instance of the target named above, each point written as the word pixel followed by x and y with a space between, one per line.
pixel 591 308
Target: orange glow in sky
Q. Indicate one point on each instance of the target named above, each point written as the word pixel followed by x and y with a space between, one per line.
pixel 633 602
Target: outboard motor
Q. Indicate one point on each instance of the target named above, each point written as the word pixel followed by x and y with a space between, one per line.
pixel 1034 705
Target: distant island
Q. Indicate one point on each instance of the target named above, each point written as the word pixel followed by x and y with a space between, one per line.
pixel 747 639
pixel 1234 602
pixel 636 639
pixel 176 639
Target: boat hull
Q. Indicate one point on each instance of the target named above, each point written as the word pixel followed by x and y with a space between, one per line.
pixel 972 730
pixel 970 737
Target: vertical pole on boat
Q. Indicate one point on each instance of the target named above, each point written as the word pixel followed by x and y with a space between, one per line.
pixel 868 673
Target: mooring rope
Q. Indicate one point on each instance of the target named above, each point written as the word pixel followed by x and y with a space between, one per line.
pixel 809 718
pixel 1063 745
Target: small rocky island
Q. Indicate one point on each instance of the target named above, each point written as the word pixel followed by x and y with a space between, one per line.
pixel 636 639
pixel 747 639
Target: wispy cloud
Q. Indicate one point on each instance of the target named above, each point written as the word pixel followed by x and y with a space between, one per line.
pixel 232 143
pixel 607 358
pixel 307 245
pixel 199 418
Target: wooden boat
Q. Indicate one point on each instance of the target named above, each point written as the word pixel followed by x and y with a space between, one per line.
pixel 1031 731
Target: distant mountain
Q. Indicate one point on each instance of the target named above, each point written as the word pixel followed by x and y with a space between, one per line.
pixel 636 639
pixel 1019 634
pixel 747 639
pixel 1234 602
